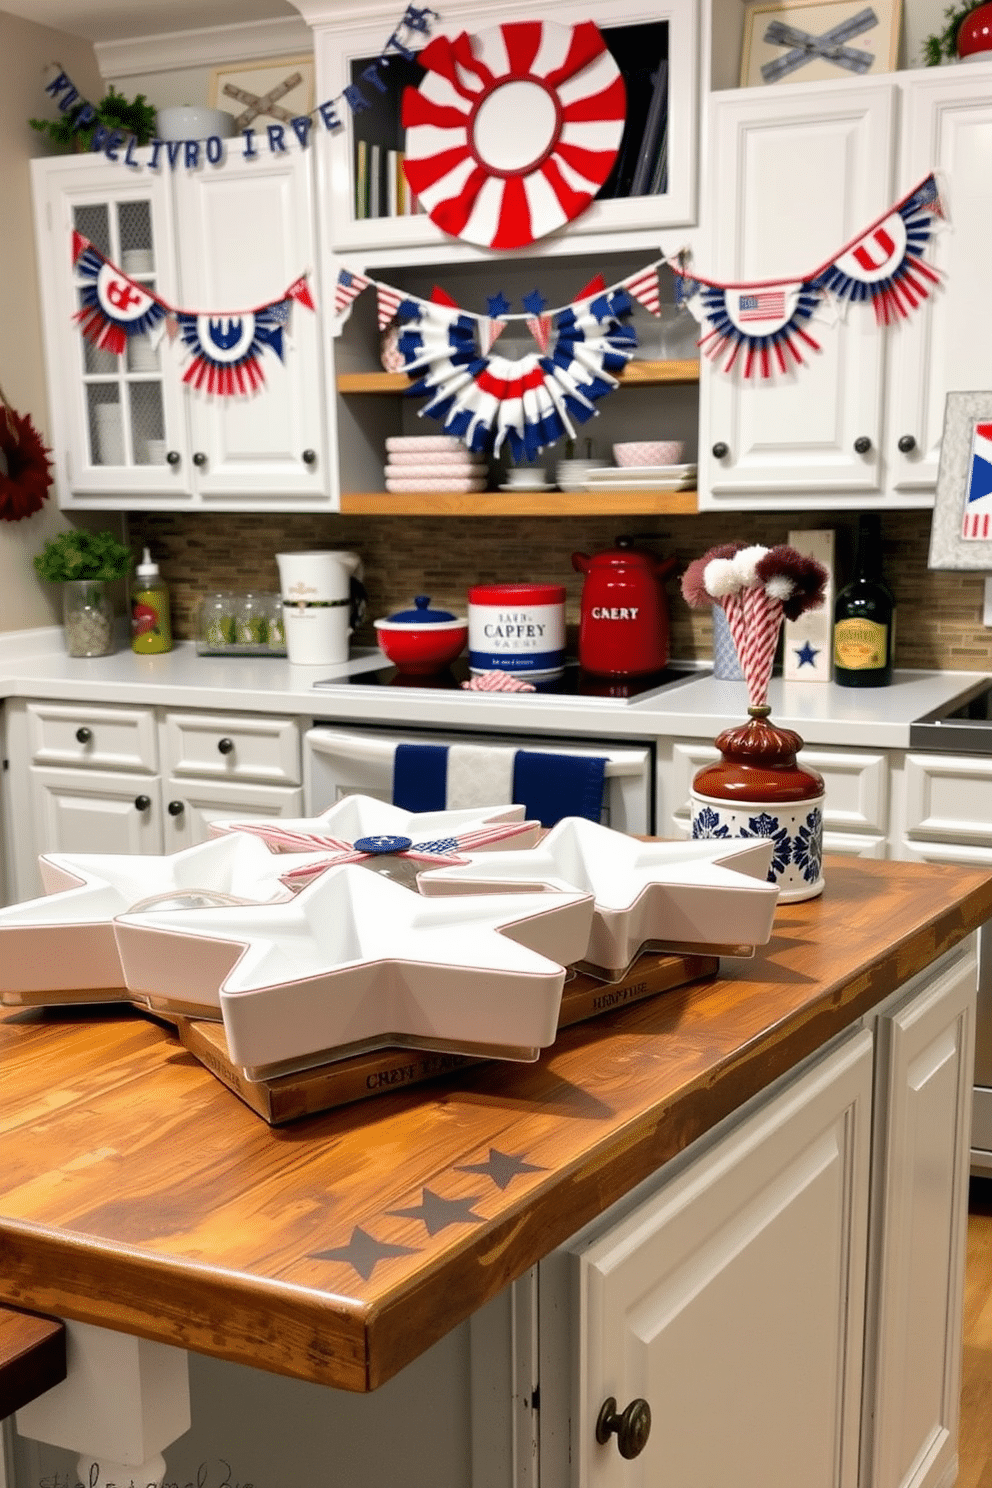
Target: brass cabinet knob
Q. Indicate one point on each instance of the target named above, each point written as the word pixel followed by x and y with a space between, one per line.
pixel 632 1426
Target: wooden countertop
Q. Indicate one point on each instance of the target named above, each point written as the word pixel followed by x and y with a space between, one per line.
pixel 137 1192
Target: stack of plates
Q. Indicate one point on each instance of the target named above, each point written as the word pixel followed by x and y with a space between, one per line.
pixel 433 462
pixel 643 477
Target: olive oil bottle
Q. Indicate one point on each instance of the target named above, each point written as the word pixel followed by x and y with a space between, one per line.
pixel 865 616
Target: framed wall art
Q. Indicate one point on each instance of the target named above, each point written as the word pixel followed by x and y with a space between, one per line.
pixel 812 40
pixel 264 92
pixel 961 530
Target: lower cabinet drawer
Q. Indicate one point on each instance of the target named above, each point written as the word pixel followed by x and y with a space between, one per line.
pixel 949 798
pixel 216 746
pixel 95 737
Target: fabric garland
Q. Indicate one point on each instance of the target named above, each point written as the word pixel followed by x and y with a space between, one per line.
pixel 225 348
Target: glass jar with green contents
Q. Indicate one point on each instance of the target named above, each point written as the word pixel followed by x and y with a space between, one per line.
pixel 151 622
pixel 216 622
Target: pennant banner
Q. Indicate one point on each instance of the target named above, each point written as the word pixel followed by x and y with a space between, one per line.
pixel 225 348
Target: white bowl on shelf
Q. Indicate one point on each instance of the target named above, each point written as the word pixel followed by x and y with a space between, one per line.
pixel 193 123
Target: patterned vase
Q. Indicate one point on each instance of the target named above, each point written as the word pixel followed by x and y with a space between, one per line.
pixel 758 789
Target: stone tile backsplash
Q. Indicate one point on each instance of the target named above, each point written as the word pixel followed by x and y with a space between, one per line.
pixel 939 614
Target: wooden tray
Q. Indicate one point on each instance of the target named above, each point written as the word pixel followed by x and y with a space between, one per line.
pixel 361 1076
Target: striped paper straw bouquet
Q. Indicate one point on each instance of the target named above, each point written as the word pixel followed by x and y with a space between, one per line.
pixel 755 587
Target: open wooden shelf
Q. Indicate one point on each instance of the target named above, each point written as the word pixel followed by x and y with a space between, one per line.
pixel 618 502
pixel 635 374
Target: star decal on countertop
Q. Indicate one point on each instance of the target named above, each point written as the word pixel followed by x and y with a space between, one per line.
pixel 502 1167
pixel 806 654
pixel 363 1252
pixel 438 1213
pixel 534 302
pixel 668 894
pixel 356 959
pixel 497 305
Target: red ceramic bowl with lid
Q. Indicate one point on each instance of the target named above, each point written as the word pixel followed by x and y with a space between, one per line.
pixel 421 641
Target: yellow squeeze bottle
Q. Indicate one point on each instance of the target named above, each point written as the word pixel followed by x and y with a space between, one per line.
pixel 151 625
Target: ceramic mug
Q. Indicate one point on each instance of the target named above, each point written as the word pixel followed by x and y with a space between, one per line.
pixel 322 596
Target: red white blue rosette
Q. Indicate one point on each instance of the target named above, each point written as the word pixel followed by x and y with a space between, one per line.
pixel 513 130
pixel 226 350
pixel 761 327
pixel 527 402
pixel 114 307
pixel 884 267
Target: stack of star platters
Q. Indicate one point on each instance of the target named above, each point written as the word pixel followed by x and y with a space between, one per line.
pixel 325 981
pixel 433 462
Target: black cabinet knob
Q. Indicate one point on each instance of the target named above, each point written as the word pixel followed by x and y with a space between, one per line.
pixel 862 445
pixel 632 1426
pixel 142 803
pixel 199 458
pixel 176 808
pixel 173 457
pixel 721 450
pixel 907 444
pixel 226 746
pixel 84 735
pixel 309 457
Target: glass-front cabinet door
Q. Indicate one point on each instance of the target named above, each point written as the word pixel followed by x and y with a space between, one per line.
pixel 118 421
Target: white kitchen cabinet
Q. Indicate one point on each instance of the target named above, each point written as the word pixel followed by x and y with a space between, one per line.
pixel 797 171
pixel 732 1301
pixel 98 779
pixel 637 30
pixel 857 787
pixel 916 1272
pixel 127 431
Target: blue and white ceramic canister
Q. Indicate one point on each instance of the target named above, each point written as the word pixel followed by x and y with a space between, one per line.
pixel 517 628
pixel 758 789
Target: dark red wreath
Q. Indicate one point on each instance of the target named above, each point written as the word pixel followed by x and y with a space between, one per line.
pixel 25 469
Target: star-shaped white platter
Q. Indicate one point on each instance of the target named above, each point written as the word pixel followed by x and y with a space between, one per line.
pixel 355 961
pixel 710 894
pixel 357 816
pixel 62 947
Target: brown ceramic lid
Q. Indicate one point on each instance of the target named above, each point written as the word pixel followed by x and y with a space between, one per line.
pixel 758 764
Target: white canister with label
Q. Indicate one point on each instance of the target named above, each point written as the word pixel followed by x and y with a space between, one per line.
pixel 517 628
pixel 318 598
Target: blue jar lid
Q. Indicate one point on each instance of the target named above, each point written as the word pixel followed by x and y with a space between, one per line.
pixel 422 615
pixel 382 844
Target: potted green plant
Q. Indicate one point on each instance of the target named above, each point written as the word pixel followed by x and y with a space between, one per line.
pixel 967 32
pixel 114 112
pixel 85 563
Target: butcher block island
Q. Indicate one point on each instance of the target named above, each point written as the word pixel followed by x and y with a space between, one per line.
pixel 735 1210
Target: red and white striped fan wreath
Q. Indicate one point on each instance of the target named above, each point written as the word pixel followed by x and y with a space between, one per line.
pixel 513 130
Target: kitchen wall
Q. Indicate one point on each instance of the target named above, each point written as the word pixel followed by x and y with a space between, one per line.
pixel 25 51
pixel 939 614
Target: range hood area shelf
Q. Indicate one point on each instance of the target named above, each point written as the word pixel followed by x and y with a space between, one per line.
pixel 608 501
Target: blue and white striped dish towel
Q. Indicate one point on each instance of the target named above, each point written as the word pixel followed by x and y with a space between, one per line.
pixel 439 777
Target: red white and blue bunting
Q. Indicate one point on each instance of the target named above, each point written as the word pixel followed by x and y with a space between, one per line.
pixel 761 329
pixel 225 347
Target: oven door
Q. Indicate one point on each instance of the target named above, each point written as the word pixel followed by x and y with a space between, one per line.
pixel 339 762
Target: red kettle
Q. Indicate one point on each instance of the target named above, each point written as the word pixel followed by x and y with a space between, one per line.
pixel 623 625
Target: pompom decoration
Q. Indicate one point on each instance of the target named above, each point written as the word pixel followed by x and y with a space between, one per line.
pixel 755 586
pixel 25 467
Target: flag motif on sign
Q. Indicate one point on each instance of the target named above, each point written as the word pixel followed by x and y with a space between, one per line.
pixel 767 304
pixel 977 520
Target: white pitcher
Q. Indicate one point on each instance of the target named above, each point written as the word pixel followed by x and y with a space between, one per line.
pixel 321 597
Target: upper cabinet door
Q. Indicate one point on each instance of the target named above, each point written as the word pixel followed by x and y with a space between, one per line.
pixel 947 126
pixel 246 233
pixel 797 171
pixel 656 46
pixel 114 418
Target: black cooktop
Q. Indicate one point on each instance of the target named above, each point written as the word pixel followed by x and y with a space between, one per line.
pixel 963 726
pixel 573 681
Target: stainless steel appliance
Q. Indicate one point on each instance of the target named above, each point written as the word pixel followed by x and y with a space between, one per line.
pixel 965 727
